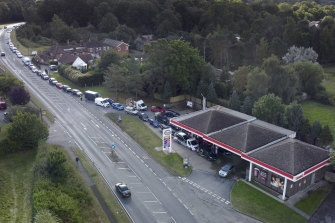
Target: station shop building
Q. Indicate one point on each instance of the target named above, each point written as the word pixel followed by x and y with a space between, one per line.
pixel 276 159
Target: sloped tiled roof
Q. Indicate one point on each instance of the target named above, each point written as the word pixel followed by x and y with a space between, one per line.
pixel 67 58
pixel 291 156
pixel 247 137
pixel 211 121
pixel 86 57
pixel 113 43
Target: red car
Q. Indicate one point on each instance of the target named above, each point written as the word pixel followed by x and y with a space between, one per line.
pixel 3 105
pixel 59 85
pixel 157 109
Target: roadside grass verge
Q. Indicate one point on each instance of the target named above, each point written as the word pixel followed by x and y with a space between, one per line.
pixel 3 131
pixel 16 187
pixel 252 202
pixel 310 203
pixel 38 104
pixel 106 193
pixel 144 136
pixel 314 111
pixel 26 51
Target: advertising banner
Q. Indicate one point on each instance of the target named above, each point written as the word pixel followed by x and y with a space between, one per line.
pixel 167 139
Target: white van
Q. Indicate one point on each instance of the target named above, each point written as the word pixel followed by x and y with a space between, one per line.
pixel 101 102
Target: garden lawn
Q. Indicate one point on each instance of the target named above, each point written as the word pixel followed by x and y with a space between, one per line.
pixel 16 187
pixel 252 202
pixel 148 140
pixel 314 111
pixel 313 200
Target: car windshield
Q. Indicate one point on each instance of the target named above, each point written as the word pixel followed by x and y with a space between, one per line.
pixel 225 168
pixel 193 142
pixel 105 101
pixel 123 188
pixel 143 105
pixel 145 116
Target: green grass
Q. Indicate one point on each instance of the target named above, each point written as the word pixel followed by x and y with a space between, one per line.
pixel 16 187
pixel 314 111
pixel 26 51
pixel 36 102
pixel 148 140
pixel 109 198
pixel 252 202
pixel 313 200
pixel 3 131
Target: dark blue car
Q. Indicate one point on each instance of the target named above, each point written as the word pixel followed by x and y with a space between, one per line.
pixel 117 106
pixel 110 101
pixel 154 123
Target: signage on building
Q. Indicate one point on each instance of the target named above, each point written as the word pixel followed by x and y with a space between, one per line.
pixel 167 139
pixel 189 104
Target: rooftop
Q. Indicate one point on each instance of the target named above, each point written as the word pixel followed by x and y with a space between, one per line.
pixel 291 156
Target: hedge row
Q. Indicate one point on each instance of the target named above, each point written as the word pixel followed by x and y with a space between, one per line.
pixel 82 79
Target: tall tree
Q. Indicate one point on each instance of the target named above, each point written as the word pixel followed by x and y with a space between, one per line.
pixel 326 137
pixel 294 116
pixel 247 105
pixel 310 76
pixel 241 79
pixel 315 131
pixel 211 94
pixel 258 83
pixel 262 50
pixel 234 101
pixel 269 108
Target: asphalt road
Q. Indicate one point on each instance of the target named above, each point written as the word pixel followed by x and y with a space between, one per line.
pixel 156 196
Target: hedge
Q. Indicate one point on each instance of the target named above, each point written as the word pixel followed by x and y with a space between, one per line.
pixel 82 79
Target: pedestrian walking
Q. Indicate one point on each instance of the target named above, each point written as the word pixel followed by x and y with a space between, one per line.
pixel 81 97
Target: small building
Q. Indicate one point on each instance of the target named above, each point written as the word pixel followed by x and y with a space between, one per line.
pixel 119 46
pixel 276 159
pixel 79 64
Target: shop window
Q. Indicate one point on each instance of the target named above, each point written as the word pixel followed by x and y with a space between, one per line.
pixel 304 181
pixel 291 186
pixel 277 182
pixel 300 184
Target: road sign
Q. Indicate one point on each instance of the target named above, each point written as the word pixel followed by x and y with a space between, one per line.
pixel 113 146
pixel 44 112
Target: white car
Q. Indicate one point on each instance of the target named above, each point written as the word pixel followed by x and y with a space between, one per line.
pixel 131 110
pixel 226 170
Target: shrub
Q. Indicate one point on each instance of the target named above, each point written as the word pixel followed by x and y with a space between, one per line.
pixel 89 78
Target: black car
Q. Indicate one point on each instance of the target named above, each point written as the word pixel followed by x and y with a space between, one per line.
pixel 210 155
pixel 143 117
pixel 123 189
pixel 171 113
pixel 161 118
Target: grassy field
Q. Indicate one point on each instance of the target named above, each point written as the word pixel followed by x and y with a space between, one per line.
pixel 314 111
pixel 250 201
pixel 313 200
pixel 26 51
pixel 149 141
pixel 16 187
pixel 109 198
